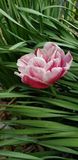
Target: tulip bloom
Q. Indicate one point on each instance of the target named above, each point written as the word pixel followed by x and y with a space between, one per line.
pixel 44 67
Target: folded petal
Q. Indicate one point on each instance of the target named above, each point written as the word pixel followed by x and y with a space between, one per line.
pixel 60 53
pixel 49 45
pixel 67 60
pixel 21 65
pixel 25 59
pixel 49 65
pixel 35 72
pixel 38 62
pixel 54 75
pixel 33 82
pixel 38 52
pixel 18 74
pixel 57 62
pixel 53 50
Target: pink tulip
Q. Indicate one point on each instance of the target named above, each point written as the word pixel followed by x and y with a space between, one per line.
pixel 44 67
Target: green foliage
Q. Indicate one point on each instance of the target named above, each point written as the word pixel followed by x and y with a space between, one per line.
pixel 37 124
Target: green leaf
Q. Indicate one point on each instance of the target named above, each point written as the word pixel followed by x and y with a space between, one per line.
pixel 12 95
pixel 20 44
pixel 61 103
pixel 9 17
pixel 68 142
pixel 29 10
pixel 18 155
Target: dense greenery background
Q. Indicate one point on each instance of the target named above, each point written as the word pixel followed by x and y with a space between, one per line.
pixel 38 124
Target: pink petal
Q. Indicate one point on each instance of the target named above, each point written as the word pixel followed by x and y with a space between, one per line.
pixel 25 59
pixel 49 45
pixel 54 75
pixel 68 57
pixel 38 52
pixel 53 50
pixel 33 82
pixel 57 62
pixel 49 65
pixel 59 53
pixel 38 62
pixel 67 60
pixel 21 65
pixel 64 71
pixel 66 68
pixel 35 72
pixel 66 63
pixel 17 73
